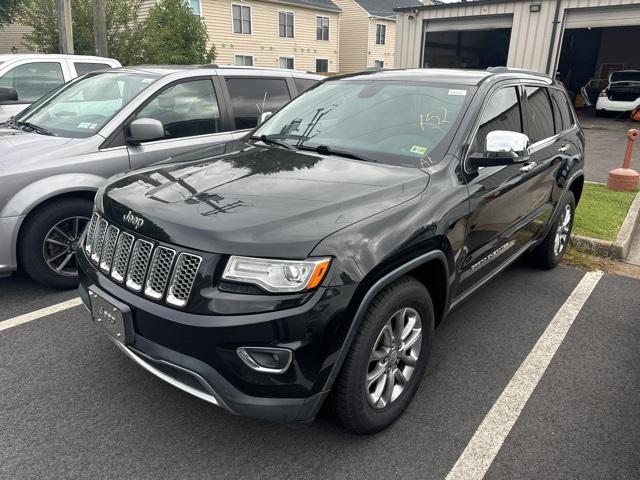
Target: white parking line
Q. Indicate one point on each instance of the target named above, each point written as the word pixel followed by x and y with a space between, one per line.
pixel 43 312
pixel 483 447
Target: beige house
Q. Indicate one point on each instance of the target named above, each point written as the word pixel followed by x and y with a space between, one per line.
pixel 298 34
pixel 11 38
pixel 368 33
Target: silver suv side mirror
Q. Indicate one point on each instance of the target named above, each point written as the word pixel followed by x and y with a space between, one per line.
pixel 503 147
pixel 145 130
pixel 263 117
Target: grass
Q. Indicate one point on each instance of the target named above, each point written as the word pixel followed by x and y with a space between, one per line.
pixel 601 212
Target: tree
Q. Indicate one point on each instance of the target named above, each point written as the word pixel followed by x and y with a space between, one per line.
pixel 8 11
pixel 122 27
pixel 172 34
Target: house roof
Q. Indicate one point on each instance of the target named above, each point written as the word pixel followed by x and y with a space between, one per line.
pixel 318 4
pixel 384 8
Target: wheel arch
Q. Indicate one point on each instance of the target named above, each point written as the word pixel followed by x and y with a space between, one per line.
pixel 422 268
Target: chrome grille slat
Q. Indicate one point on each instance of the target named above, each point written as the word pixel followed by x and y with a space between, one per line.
pixel 138 266
pixel 121 257
pixel 98 239
pixel 184 274
pixel 159 272
pixel 90 232
pixel 108 248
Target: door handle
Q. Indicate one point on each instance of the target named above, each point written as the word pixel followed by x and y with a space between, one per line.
pixel 564 148
pixel 528 166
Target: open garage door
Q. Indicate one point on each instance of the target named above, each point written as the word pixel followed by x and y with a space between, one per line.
pixel 467 42
pixel 596 42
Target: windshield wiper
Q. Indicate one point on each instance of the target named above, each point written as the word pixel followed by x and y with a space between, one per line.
pixel 326 150
pixel 274 141
pixel 35 128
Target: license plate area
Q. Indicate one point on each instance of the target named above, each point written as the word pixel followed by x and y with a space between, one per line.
pixel 108 316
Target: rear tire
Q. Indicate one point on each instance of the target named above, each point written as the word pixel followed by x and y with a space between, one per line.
pixel 48 239
pixel 548 254
pixel 370 393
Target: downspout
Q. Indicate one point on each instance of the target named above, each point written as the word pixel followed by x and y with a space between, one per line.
pixel 553 36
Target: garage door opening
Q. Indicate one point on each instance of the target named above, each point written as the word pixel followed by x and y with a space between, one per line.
pixel 467 49
pixel 589 55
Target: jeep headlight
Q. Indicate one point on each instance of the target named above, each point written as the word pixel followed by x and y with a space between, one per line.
pixel 278 276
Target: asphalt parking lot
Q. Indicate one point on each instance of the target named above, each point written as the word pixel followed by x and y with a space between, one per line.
pixel 72 406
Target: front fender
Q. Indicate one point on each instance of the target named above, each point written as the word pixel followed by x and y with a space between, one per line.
pixel 41 190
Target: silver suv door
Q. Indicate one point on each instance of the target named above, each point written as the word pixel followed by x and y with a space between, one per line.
pixel 192 116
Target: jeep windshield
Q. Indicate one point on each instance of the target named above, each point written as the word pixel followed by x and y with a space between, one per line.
pixel 403 123
pixel 81 108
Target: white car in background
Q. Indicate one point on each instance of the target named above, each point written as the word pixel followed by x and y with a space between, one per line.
pixel 622 94
pixel 25 78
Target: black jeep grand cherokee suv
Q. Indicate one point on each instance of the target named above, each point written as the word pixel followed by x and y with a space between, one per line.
pixel 310 261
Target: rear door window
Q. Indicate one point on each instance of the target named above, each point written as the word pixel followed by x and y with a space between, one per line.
pixel 33 80
pixel 303 84
pixel 252 96
pixel 86 67
pixel 539 114
pixel 185 109
pixel 502 112
pixel 563 109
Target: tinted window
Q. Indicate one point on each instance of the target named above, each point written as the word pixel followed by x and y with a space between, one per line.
pixel 84 67
pixel 33 80
pixel 539 115
pixel 252 96
pixel 303 84
pixel 185 109
pixel 564 118
pixel 502 112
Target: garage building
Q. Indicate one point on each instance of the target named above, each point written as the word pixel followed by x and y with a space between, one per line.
pixel 579 40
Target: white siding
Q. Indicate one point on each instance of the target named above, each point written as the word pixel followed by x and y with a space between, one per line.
pixel 530 35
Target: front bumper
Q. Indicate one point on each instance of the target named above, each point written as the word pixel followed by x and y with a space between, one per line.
pixel 197 353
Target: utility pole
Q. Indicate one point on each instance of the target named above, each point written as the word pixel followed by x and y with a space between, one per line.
pixel 65 31
pixel 100 28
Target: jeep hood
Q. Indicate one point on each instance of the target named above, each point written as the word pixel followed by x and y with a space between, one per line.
pixel 247 199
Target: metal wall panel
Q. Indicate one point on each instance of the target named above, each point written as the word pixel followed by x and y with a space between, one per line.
pixel 470 23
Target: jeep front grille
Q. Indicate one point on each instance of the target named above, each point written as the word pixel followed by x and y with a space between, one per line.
pixel 143 266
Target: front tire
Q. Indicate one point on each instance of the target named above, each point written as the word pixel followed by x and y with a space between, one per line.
pixel 46 249
pixel 549 253
pixel 387 358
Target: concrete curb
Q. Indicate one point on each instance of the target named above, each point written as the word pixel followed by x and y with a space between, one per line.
pixel 618 249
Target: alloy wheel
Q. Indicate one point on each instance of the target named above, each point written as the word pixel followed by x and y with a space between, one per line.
pixel 562 231
pixel 393 358
pixel 59 246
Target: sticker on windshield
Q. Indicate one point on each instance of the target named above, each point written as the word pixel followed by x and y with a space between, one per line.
pixel 147 80
pixel 84 125
pixel 459 93
pixel 418 149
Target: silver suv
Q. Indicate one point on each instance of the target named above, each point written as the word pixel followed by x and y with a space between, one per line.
pixel 56 153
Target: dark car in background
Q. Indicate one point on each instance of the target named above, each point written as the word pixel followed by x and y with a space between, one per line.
pixel 311 261
pixel 55 154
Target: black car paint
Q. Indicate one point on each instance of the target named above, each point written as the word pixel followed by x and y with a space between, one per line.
pixel 376 221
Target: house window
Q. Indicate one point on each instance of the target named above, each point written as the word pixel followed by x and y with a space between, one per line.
pixel 322 65
pixel 244 60
pixel 195 6
pixel 378 64
pixel 285 24
pixel 322 28
pixel 286 62
pixel 241 19
pixel 381 33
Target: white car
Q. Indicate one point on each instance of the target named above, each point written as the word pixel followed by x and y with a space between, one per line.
pixel 25 78
pixel 622 94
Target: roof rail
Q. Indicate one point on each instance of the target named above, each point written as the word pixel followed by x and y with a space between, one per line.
pixel 516 70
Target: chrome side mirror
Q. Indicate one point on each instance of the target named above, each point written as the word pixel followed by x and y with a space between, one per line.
pixel 263 117
pixel 503 147
pixel 145 130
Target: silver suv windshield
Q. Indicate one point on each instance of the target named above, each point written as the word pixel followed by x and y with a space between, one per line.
pixel 397 122
pixel 80 109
